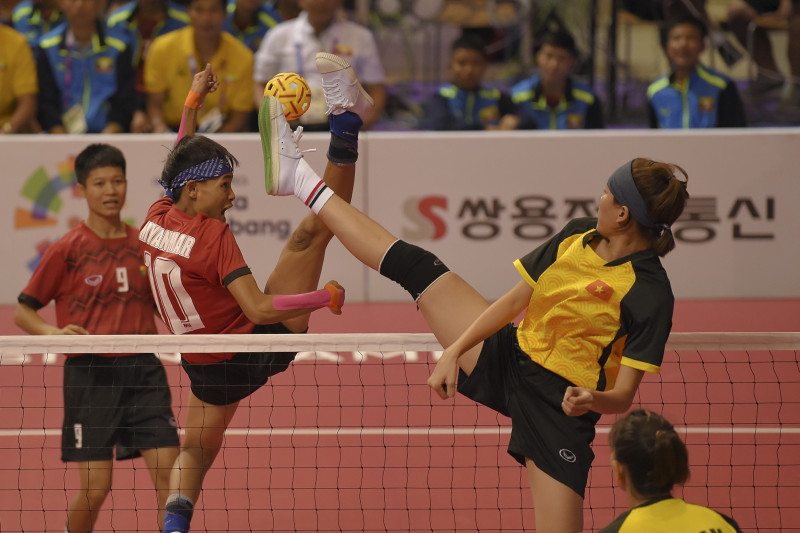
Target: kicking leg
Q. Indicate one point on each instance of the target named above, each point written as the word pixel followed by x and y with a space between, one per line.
pixel 300 264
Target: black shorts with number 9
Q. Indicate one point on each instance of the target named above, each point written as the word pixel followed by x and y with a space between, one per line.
pixel 121 402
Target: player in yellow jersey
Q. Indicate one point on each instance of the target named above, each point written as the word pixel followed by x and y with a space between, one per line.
pixel 599 311
pixel 648 459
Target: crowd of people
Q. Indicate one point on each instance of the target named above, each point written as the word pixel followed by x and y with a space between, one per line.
pixel 94 66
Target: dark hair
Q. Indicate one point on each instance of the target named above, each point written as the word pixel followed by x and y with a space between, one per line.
pixel 559 39
pixel 223 2
pixel 653 454
pixel 665 197
pixel 694 21
pixel 97 155
pixel 190 151
pixel 469 41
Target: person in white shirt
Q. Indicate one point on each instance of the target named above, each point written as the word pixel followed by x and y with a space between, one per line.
pixel 293 45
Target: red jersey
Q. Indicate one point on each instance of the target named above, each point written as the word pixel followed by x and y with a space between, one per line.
pixel 191 261
pixel 98 284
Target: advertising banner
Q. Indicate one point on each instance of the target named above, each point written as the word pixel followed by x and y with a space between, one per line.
pixel 477 200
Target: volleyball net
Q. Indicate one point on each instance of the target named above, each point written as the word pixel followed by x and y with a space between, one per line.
pixel 351 439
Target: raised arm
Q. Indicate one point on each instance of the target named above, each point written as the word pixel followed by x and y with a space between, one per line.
pixel 203 83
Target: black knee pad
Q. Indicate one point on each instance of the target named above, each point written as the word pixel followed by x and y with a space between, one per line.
pixel 414 268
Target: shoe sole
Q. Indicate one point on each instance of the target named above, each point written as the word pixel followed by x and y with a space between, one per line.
pixel 343 64
pixel 269 142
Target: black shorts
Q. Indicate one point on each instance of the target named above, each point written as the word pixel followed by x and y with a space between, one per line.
pixel 115 401
pixel 232 380
pixel 506 380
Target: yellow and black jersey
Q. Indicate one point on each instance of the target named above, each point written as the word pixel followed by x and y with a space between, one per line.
pixel 671 515
pixel 587 316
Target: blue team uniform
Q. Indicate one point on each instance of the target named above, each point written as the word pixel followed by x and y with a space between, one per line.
pixel 709 99
pixel 266 18
pixel 579 108
pixel 99 78
pixel 451 108
pixel 28 19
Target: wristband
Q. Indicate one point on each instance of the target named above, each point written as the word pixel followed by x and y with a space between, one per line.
pixel 192 100
pixel 337 297
pixel 330 296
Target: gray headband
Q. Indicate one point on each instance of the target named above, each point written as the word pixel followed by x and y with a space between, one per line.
pixel 623 188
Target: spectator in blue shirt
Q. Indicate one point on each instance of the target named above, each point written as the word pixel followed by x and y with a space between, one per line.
pixel 465 103
pixel 85 76
pixel 250 20
pixel 553 99
pixel 692 95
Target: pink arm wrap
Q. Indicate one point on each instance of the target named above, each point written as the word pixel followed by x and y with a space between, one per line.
pixel 330 296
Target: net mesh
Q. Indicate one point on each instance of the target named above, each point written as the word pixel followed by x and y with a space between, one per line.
pixel 350 438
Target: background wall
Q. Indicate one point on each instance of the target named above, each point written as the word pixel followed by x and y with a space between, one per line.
pixel 477 200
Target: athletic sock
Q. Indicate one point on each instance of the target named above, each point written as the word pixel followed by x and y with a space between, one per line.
pixel 178 514
pixel 343 148
pixel 310 188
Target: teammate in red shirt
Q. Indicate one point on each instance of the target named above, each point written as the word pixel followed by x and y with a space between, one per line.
pixel 96 277
pixel 202 284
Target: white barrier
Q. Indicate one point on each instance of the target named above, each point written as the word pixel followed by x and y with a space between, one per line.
pixel 477 200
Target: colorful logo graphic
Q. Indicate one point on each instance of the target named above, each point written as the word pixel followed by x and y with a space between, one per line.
pixel 45 192
pixel 428 225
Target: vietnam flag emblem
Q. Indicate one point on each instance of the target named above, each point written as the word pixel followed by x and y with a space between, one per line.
pixel 600 289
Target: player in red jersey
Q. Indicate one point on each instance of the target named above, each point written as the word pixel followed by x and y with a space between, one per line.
pixel 96 277
pixel 202 283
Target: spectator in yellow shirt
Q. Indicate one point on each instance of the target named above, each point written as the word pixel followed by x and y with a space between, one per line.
pixel 18 82
pixel 176 57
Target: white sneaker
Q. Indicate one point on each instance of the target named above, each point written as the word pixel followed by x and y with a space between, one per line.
pixel 343 92
pixel 279 144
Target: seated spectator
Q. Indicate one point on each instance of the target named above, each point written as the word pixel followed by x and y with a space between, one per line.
pixel 665 12
pixel 18 82
pixel 250 20
pixel 34 19
pixel 176 57
pixel 648 459
pixel 137 23
pixel 552 99
pixel 287 9
pixel 292 46
pixel 740 14
pixel 85 76
pixel 464 104
pixel 692 95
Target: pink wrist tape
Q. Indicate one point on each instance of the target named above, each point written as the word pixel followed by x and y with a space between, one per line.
pixel 330 296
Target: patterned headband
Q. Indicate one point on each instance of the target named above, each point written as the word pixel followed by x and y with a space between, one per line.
pixel 207 170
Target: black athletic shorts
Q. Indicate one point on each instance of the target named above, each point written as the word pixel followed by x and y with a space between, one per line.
pixel 234 379
pixel 507 380
pixel 115 401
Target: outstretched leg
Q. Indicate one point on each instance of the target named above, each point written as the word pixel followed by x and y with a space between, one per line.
pixel 446 301
pixel 300 264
